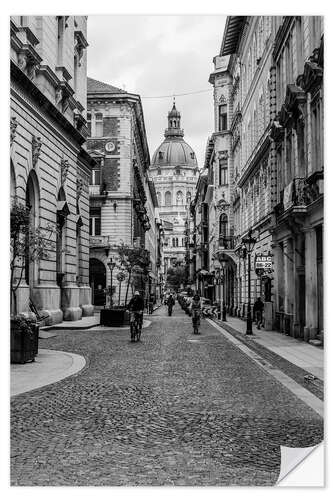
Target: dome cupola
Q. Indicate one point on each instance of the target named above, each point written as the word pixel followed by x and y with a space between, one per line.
pixel 174 151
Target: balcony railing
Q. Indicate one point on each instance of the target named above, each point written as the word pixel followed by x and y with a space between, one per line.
pixel 99 241
pixel 300 192
pixel 226 242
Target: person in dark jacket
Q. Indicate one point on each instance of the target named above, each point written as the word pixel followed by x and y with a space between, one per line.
pixel 136 304
pixel 170 304
pixel 258 309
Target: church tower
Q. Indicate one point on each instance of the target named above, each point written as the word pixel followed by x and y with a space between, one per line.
pixel 174 170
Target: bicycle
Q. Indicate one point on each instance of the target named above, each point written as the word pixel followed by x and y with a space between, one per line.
pixel 135 326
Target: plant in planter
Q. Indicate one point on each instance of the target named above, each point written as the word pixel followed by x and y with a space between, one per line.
pixel 134 265
pixel 27 244
pixel 135 260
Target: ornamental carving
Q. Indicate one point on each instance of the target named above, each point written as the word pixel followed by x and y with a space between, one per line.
pixel 79 188
pixel 223 155
pixel 36 145
pixel 277 132
pixel 64 170
pixel 312 76
pixel 13 127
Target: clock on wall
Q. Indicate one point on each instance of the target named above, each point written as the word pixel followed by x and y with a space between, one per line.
pixel 110 146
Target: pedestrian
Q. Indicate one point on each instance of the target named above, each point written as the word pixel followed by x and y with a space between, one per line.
pixel 258 309
pixel 195 311
pixel 170 304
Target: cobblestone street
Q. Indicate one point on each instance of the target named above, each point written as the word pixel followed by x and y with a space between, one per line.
pixel 174 409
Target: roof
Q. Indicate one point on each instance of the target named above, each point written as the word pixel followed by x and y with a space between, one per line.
pixel 232 31
pixel 95 86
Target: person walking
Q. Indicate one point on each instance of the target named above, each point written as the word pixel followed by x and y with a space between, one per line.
pixel 195 310
pixel 170 304
pixel 258 309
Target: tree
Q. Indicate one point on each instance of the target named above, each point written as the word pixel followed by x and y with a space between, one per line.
pixel 27 244
pixel 176 276
pixel 136 261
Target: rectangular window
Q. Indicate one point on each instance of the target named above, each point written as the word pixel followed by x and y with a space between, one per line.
pixel 95 177
pixel 223 125
pixel 98 125
pixel 89 123
pixel 95 221
pixel 223 172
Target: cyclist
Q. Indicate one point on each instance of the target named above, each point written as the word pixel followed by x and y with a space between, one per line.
pixel 195 308
pixel 136 306
pixel 170 304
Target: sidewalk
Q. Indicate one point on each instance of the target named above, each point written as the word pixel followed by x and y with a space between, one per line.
pixel 49 367
pixel 298 352
pixel 81 324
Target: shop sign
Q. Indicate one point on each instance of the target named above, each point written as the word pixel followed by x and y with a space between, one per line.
pixel 263 262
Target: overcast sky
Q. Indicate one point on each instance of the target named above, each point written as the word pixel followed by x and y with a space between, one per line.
pixel 156 56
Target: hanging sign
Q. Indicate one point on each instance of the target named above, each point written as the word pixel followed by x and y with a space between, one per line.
pixel 263 262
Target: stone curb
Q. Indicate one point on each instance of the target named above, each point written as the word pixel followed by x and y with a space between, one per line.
pixel 35 375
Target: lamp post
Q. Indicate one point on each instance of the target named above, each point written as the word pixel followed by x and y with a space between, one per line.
pixel 111 266
pixel 248 243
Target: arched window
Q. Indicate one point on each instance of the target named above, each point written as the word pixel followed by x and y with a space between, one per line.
pixel 223 114
pixel 62 212
pixel 167 198
pixel 32 202
pixel 223 226
pixel 180 198
pixel 188 197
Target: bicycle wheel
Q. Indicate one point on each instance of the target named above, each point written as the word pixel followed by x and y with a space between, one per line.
pixel 132 328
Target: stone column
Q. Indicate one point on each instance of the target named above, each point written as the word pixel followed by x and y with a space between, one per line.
pixel 311 293
pixel 278 281
pixel 289 279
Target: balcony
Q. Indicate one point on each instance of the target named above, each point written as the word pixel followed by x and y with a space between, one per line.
pixel 99 242
pixel 226 243
pixel 299 193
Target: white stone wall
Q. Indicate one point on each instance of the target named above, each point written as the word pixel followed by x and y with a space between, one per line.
pixel 57 144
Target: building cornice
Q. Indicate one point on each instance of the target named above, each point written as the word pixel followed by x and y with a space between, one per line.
pixel 262 146
pixel 281 35
pixel 44 103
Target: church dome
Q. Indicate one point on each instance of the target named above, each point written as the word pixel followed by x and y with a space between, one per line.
pixel 174 151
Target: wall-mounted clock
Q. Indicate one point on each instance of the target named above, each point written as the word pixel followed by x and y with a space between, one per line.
pixel 110 146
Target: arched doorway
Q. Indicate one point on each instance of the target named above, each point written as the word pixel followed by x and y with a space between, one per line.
pixel 97 279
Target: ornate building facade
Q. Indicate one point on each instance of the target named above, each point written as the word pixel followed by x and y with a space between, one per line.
pixel 48 165
pixel 122 198
pixel 174 171
pixel 268 98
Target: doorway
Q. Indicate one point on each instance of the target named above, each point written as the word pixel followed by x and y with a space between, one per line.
pixel 97 279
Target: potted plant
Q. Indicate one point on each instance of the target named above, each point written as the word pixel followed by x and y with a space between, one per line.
pixel 27 244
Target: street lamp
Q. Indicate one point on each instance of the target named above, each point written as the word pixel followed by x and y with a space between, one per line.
pixel 111 266
pixel 248 243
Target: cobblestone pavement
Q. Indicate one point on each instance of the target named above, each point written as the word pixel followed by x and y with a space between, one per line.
pixel 174 409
